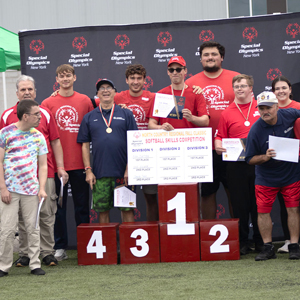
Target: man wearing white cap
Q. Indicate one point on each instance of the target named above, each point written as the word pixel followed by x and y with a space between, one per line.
pixel 273 176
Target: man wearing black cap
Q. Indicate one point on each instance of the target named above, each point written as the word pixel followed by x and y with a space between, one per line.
pixel 106 127
pixel 68 107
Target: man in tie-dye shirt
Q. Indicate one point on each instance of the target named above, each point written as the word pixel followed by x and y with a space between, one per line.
pixel 22 186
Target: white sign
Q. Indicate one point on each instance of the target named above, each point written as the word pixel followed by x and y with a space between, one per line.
pixel 177 156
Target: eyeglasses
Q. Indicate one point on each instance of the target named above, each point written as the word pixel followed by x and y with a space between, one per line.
pixel 178 70
pixel 102 89
pixel 242 86
pixel 38 114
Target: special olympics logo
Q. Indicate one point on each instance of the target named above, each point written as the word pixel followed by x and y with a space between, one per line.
pixel 93 216
pixel 273 73
pixel 250 33
pixel 164 38
pixel 36 46
pixel 148 83
pixel 137 214
pixel 122 40
pixel 67 118
pixel 212 94
pixel 55 86
pixel 138 112
pixel 79 43
pixel 186 76
pixel 293 29
pixel 137 134
pixel 206 35
pixel 220 211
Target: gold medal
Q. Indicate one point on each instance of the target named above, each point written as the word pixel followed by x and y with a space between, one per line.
pixel 108 130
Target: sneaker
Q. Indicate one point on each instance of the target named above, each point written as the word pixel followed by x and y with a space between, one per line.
pixel 2 273
pixel 284 248
pixel 38 271
pixel 245 249
pixel 60 254
pixel 22 261
pixel 267 253
pixel 294 251
pixel 50 260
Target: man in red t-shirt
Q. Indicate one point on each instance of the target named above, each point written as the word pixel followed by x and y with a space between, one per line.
pixel 68 108
pixel 216 83
pixel 26 90
pixel 235 122
pixel 139 102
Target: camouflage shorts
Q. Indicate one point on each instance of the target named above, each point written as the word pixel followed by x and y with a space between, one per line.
pixel 103 194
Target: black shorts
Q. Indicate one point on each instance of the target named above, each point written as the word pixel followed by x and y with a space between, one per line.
pixel 219 175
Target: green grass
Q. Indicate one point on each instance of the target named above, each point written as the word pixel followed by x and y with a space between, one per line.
pixel 244 279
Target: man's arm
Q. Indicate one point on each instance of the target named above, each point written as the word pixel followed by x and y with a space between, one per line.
pixel 5 194
pixel 59 158
pixel 262 158
pixel 153 124
pixel 43 172
pixel 89 175
pixel 201 121
pixel 218 147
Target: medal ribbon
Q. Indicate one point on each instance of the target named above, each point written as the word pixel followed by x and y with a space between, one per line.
pixel 241 110
pixel 176 106
pixel 110 117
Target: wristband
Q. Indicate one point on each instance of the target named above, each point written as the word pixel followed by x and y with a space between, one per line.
pixel 86 168
pixel 60 168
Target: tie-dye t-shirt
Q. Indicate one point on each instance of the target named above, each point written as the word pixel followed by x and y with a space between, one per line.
pixel 22 149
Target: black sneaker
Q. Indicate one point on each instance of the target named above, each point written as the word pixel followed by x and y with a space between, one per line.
pixel 2 273
pixel 22 261
pixel 294 251
pixel 50 260
pixel 245 249
pixel 267 253
pixel 38 271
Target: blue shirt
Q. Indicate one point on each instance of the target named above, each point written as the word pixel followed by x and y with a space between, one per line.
pixel 273 173
pixel 109 149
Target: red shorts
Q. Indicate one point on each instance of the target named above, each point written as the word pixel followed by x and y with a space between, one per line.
pixel 265 196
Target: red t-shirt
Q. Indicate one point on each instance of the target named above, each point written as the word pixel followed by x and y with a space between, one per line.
pixel 231 124
pixel 47 127
pixel 294 104
pixel 218 93
pixel 195 103
pixel 138 105
pixel 68 113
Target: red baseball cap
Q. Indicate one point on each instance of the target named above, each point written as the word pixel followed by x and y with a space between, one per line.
pixel 177 60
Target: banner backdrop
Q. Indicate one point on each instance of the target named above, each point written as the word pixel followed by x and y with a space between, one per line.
pixel 264 47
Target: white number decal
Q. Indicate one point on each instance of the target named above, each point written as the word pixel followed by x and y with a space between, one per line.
pixel 217 246
pixel 98 248
pixel 140 242
pixel 180 227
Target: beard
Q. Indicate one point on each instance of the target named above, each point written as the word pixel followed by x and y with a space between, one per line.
pixel 211 69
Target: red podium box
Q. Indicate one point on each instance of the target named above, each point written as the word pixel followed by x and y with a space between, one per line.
pixel 179 247
pixel 97 244
pixel 189 208
pixel 139 243
pixel 220 239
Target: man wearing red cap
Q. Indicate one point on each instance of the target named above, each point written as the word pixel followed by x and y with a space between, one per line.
pixel 194 112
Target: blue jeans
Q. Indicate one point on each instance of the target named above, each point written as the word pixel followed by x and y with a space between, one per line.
pixel 80 194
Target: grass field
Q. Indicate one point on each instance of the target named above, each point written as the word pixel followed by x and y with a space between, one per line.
pixel 244 279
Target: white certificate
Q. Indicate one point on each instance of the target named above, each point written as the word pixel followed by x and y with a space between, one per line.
pixel 235 149
pixel 286 149
pixel 177 156
pixel 124 197
pixel 163 105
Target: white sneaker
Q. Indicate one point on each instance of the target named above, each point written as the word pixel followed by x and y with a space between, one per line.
pixel 284 248
pixel 60 254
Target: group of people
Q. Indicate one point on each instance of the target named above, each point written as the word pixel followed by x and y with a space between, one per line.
pixel 45 146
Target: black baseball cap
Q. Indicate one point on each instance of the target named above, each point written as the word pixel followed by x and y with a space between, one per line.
pixel 103 81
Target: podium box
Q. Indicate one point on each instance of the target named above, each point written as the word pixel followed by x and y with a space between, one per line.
pixel 139 243
pixel 169 193
pixel 97 244
pixel 179 247
pixel 220 239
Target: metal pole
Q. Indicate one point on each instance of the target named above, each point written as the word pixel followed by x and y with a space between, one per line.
pixel 250 8
pixel 4 90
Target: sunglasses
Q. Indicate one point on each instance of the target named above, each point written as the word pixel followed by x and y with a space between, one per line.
pixel 178 70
